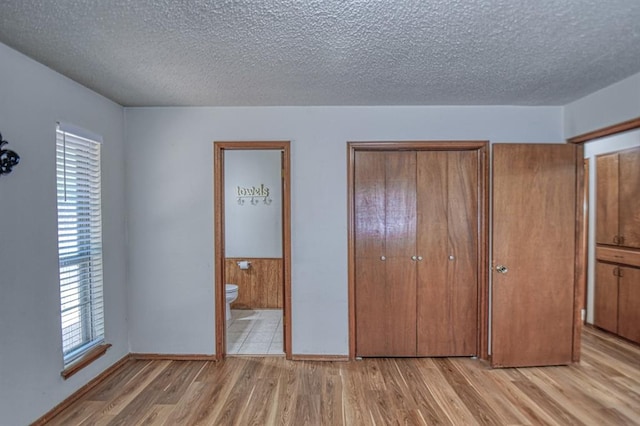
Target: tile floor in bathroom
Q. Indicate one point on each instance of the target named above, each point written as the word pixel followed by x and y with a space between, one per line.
pixel 255 332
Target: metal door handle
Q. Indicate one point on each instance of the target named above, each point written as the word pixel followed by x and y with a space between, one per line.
pixel 383 258
pixel 419 257
pixel 502 269
pixel 451 257
pixel 414 258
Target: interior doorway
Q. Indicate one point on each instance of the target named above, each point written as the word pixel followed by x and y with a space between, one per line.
pixel 265 282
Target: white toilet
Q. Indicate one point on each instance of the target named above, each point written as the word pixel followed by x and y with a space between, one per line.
pixel 231 294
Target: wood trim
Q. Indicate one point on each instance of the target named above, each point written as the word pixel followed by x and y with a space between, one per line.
pixel 585 239
pixel 286 246
pixel 581 252
pixel 632 124
pixel 351 248
pixel 483 253
pixel 218 236
pixel 49 415
pixel 172 357
pixel 218 185
pixel 84 360
pixel 418 145
pixel 483 226
pixel 329 358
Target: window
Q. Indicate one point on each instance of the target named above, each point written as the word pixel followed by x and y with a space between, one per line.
pixel 79 240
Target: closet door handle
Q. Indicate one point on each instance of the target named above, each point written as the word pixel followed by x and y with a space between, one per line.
pixel 502 269
pixel 414 258
pixel 383 258
pixel 419 257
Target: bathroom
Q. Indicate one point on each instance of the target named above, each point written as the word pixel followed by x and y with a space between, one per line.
pixel 253 263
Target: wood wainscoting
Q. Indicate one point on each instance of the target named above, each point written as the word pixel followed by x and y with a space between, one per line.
pixel 260 286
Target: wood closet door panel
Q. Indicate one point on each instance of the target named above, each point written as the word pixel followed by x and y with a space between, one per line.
pixel 370 204
pixel 462 323
pixel 605 309
pixel 385 308
pixel 400 235
pixel 433 292
pixel 607 199
pixel 385 274
pixel 629 304
pixel 534 211
pixel 629 196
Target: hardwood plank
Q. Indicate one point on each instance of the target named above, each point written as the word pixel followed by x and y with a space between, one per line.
pixel 604 388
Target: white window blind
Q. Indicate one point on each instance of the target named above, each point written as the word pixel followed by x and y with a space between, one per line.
pixel 79 242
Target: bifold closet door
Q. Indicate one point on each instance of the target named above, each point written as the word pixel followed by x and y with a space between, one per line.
pixel 385 217
pixel 447 241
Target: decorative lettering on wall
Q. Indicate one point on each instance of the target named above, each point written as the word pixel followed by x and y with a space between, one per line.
pixel 254 193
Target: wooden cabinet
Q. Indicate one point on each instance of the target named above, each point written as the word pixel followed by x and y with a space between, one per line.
pixel 618 199
pixel 629 303
pixel 617 299
pixel 617 281
pixel 605 313
pixel 416 259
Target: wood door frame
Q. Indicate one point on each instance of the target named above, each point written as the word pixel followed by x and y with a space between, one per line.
pixel 483 224
pixel 218 212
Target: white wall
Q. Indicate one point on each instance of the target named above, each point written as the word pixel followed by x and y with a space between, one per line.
pixel 601 146
pixel 170 201
pixel 611 105
pixel 32 99
pixel 253 230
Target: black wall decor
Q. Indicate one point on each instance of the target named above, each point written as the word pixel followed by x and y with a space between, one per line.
pixel 8 158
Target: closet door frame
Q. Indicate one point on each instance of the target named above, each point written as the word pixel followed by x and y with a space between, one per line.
pixel 483 225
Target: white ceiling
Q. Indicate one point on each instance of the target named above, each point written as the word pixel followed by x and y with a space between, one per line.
pixel 331 52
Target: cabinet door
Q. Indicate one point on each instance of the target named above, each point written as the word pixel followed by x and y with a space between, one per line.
pixel 629 304
pixel 607 199
pixel 447 282
pixel 605 314
pixel 629 187
pixel 385 243
pixel 534 211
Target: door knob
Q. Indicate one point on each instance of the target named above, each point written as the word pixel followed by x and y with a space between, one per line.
pixel 414 258
pixel 502 269
pixel 383 258
pixel 419 257
pixel 451 257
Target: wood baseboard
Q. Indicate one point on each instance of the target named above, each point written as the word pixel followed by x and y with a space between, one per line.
pixel 47 417
pixel 305 357
pixel 174 357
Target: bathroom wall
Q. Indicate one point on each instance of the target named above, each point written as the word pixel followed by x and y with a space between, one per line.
pixel 32 99
pixel 253 230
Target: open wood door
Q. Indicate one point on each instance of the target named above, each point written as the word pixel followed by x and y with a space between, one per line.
pixel 534 254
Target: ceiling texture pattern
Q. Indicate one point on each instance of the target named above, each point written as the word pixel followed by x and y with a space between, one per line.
pixel 331 52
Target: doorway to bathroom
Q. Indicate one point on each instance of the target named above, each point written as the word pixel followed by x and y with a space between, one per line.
pixel 252 248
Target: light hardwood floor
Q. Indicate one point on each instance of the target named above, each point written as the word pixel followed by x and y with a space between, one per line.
pixel 603 389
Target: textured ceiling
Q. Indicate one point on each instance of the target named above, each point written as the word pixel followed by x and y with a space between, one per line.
pixel 331 52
